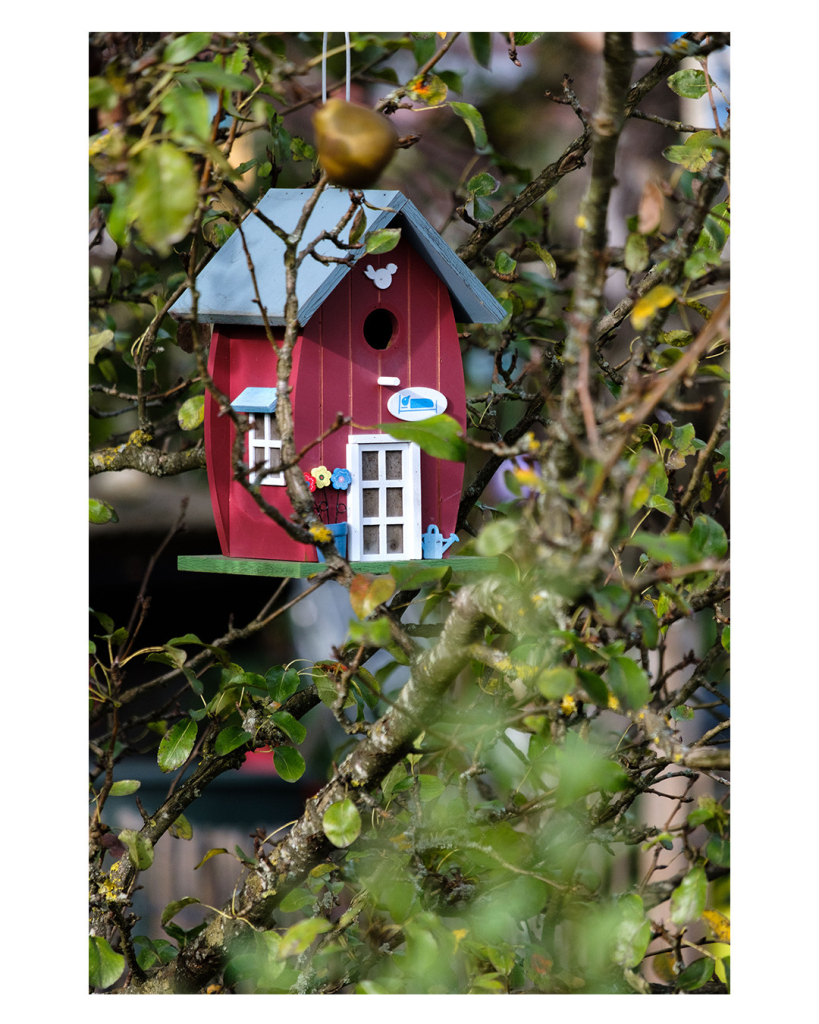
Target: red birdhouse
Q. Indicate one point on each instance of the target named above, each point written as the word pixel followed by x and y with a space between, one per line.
pixel 378 343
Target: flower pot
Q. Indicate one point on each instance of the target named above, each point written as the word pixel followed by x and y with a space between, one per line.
pixel 339 532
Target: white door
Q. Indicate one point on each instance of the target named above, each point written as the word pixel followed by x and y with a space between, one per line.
pixel 384 500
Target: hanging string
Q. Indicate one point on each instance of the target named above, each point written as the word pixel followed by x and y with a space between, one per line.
pixel 324 66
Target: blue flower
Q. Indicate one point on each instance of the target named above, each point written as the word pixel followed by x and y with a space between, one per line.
pixel 341 479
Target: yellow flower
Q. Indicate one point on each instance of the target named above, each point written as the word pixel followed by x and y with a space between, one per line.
pixel 568 704
pixel 614 703
pixel 526 477
pixel 322 476
pixel 320 534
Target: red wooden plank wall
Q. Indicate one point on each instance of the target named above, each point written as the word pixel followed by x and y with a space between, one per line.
pixel 336 371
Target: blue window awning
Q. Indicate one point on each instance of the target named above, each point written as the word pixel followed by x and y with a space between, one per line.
pixel 255 400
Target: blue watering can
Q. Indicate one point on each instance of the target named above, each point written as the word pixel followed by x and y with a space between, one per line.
pixel 435 544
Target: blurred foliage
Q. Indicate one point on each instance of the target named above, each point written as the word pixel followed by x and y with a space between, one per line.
pixel 514 845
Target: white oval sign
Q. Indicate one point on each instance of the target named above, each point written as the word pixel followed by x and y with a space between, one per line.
pixel 416 403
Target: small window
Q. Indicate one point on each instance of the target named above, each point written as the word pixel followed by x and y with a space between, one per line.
pixel 379 328
pixel 264 451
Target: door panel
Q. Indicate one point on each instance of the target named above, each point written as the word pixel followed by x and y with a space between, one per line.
pixel 384 500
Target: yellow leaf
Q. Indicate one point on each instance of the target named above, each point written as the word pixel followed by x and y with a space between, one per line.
pixel 719 923
pixel 647 306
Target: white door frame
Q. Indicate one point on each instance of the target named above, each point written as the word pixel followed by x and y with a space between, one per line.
pixel 410 482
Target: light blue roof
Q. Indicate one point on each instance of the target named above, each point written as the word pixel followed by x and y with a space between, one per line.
pixel 225 287
pixel 255 400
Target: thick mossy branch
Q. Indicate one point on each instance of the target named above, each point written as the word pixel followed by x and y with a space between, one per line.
pixel 138 453
pixel 361 772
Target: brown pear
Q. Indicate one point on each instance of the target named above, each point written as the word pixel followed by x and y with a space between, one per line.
pixel 354 144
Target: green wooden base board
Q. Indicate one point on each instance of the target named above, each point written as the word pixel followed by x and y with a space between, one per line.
pixel 301 570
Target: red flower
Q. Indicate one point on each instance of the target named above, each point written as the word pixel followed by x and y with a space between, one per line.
pixel 310 480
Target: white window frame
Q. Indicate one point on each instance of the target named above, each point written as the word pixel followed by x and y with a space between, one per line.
pixel 410 518
pixel 260 443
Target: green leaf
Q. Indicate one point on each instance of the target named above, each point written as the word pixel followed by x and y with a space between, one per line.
pixel 497 537
pixel 651 629
pixel 695 153
pixel 439 436
pixel 633 934
pixel 173 908
pixel 181 828
pixel 140 849
pixel 289 763
pixel 696 974
pixel 104 965
pixel 281 683
pixel 383 240
pixel 635 255
pixel 215 76
pixel 611 601
pixel 682 713
pixel 583 770
pixel 192 413
pixel 474 122
pixel 480 43
pixel 664 505
pixel 327 692
pixel 176 745
pixel 707 539
pixel 374 631
pixel 125 787
pixel 297 938
pixel 101 94
pixel 295 900
pixel 628 682
pixel 231 737
pixel 594 686
pixel 430 787
pixel 164 195
pixel 100 512
pixel 482 184
pixel 504 264
pixel 342 823
pixel 187 112
pixel 185 47
pixel 688 899
pixel 673 547
pixel 547 257
pixel 689 83
pixel 97 342
pixel 481 210
pixel 555 683
pixel 396 774
pixel 413 577
pixel 290 726
pixel 718 851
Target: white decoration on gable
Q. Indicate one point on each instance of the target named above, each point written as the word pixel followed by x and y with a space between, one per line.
pixel 416 404
pixel 381 278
